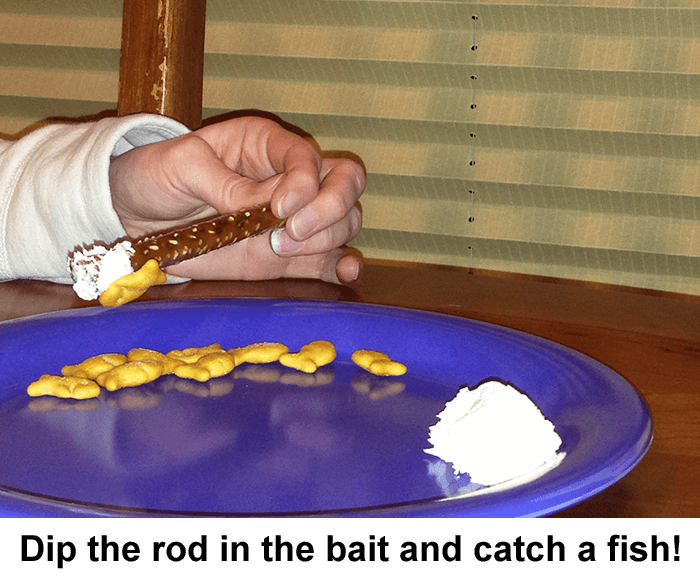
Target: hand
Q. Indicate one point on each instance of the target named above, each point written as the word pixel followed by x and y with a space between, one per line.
pixel 238 164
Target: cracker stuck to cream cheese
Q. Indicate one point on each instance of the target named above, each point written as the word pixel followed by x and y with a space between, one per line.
pixel 133 285
pixel 122 272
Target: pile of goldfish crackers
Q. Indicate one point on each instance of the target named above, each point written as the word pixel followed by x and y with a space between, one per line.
pixel 113 371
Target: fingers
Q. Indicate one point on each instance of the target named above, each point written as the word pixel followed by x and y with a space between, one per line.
pixel 246 162
pixel 286 167
pixel 302 178
pixel 322 218
pixel 314 193
pixel 255 160
pixel 252 259
pixel 337 235
pixel 343 182
pixel 336 266
pixel 348 269
pixel 275 255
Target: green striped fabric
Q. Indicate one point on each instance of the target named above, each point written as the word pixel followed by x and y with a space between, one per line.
pixel 551 138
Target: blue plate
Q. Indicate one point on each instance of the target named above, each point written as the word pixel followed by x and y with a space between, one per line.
pixel 267 440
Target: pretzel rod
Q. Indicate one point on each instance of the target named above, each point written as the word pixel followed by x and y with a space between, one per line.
pixel 95 268
pixel 176 245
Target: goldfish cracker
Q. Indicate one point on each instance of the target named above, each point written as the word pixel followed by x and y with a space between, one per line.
pixel 191 355
pixel 378 363
pixel 94 366
pixel 130 374
pixel 217 364
pixel 147 355
pixel 311 356
pixel 260 353
pixel 64 387
pixel 133 285
pixel 208 366
pixel 192 371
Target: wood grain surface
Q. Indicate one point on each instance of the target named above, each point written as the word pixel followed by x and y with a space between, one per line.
pixel 162 59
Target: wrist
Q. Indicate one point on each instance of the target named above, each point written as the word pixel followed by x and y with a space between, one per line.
pixel 116 186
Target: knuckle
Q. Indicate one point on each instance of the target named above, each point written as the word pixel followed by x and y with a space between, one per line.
pixel 354 173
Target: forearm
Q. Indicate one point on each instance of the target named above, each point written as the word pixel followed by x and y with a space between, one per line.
pixel 55 195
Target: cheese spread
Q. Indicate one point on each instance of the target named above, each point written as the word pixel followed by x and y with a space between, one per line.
pixel 94 269
pixel 494 433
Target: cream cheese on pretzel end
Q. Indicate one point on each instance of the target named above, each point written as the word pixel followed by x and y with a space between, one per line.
pixel 96 268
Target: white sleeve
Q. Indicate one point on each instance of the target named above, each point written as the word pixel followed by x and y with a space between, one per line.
pixel 55 195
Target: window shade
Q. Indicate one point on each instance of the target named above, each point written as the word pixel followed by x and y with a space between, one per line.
pixel 553 138
pixel 58 58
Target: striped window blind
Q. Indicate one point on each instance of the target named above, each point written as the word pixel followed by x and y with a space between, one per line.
pixel 555 138
pixel 58 58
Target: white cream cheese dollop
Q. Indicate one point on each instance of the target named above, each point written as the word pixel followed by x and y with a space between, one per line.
pixel 494 433
pixel 94 269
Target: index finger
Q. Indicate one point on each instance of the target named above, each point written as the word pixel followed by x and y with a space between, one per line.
pixel 300 165
pixel 343 182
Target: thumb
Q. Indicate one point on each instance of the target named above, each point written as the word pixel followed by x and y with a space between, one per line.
pixel 242 193
pixel 207 177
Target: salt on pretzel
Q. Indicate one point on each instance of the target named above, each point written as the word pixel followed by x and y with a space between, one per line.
pixel 176 245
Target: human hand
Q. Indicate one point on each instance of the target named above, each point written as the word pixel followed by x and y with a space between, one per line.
pixel 235 165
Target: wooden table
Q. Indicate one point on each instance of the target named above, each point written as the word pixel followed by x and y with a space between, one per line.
pixel 651 339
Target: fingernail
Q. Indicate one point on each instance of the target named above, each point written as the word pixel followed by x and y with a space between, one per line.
pixel 288 204
pixel 356 272
pixel 303 222
pixel 281 242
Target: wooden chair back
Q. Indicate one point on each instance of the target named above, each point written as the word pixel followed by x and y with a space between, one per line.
pixel 162 59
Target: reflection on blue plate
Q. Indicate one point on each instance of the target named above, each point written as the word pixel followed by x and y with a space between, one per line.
pixel 267 440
